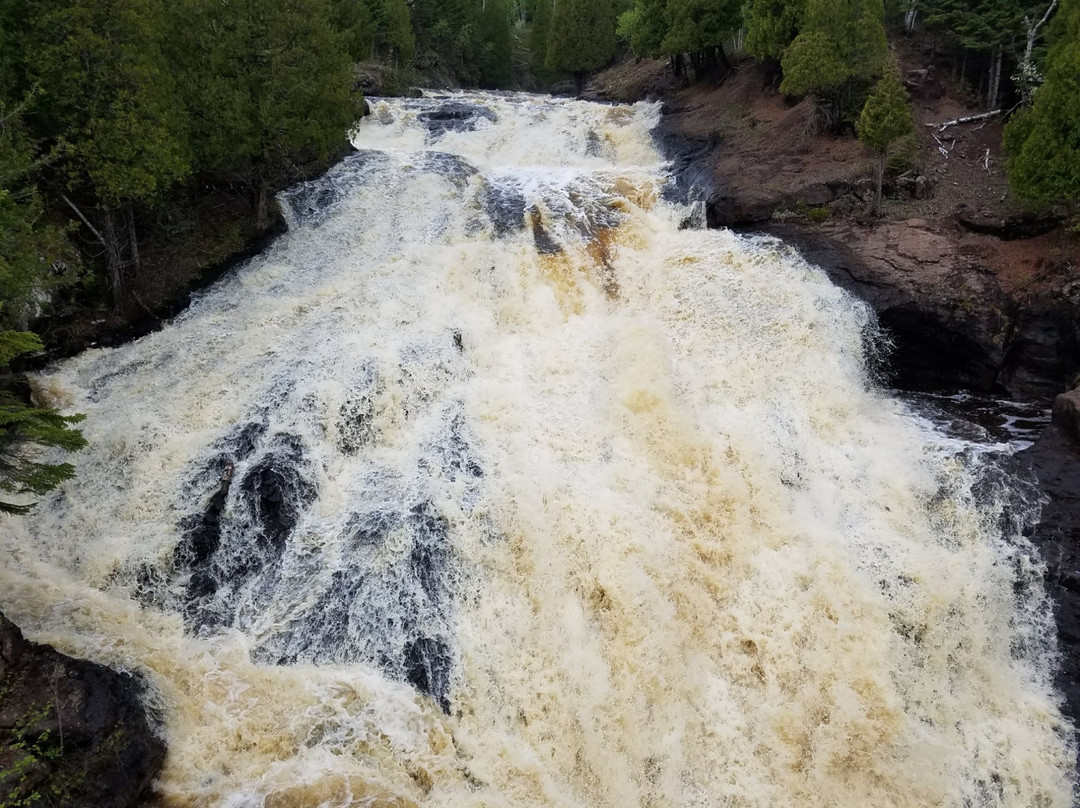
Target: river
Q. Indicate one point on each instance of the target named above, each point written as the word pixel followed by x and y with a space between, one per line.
pixel 491 483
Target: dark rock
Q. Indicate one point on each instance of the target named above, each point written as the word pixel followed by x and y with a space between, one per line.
pixel 814 195
pixel 1007 228
pixel 1066 414
pixel 689 166
pixel 504 202
pixel 744 209
pixel 950 322
pixel 455 116
pixel 1055 459
pixel 71 732
pixel 427 667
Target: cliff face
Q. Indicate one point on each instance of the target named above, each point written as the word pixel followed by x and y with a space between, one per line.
pixel 72 733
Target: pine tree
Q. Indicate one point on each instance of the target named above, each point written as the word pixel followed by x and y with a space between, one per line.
pixel 582 37
pixel 841 45
pixel 885 118
pixel 353 20
pixel 539 31
pixel 699 28
pixel 496 68
pixel 1043 143
pixel 25 429
pixel 268 85
pixel 108 99
pixel 771 26
pixel 645 27
pixel 36 258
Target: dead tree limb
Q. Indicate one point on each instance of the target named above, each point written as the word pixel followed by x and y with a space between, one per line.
pixel 941 127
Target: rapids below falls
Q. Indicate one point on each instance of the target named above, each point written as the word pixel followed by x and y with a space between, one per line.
pixel 493 483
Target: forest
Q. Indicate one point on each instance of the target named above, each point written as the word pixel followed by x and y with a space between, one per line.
pixel 142 141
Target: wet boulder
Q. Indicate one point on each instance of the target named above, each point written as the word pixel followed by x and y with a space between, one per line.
pixel 1066 414
pixel 72 733
pixel 455 116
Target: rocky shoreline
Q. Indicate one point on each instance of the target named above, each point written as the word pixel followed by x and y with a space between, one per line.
pixel 72 733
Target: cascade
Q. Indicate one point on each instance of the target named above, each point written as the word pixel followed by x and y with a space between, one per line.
pixel 492 483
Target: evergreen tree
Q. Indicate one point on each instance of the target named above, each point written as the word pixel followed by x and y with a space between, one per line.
pixel 496 59
pixel 109 101
pixel 699 28
pixel 841 45
pixel 447 33
pixel 35 257
pixel 398 36
pixel 771 26
pixel 25 429
pixel 353 20
pixel 885 118
pixel 540 29
pixel 582 37
pixel 1043 143
pixel 268 85
pixel 645 26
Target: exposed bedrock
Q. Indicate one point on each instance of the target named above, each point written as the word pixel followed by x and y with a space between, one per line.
pixel 1055 459
pixel 72 733
pixel 951 322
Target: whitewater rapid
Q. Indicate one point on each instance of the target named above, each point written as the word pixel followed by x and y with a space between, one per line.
pixel 492 484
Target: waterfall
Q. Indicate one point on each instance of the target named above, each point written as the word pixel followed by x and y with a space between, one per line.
pixel 492 484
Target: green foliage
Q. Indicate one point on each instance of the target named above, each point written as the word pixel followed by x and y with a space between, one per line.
pixel 495 59
pixel 447 32
pixel 582 36
pixel 35 256
pixel 107 94
pixel 265 83
pixel 1043 142
pixel 397 35
pixel 645 26
pixel 771 26
pixel 354 21
pixel 699 25
pixel 25 429
pixel 886 116
pixel 841 44
pixel 539 30
pixel 981 24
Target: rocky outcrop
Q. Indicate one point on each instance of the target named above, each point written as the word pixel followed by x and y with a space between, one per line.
pixel 72 733
pixel 951 323
pixel 1066 415
pixel 1055 459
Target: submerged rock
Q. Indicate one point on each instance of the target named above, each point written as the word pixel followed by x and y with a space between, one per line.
pixel 72 733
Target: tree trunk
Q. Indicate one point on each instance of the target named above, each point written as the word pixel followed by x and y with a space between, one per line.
pixel 114 262
pixel 880 178
pixel 133 242
pixel 724 61
pixel 909 16
pixel 994 78
pixel 262 200
pixel 1028 76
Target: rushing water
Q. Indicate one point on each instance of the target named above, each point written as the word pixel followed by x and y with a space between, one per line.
pixel 488 485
